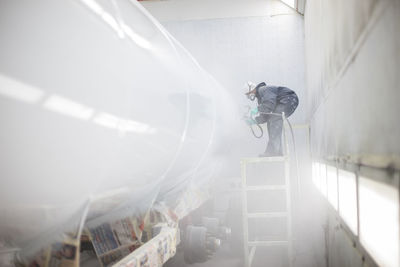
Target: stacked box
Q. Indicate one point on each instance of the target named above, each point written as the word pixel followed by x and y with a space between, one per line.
pixel 113 241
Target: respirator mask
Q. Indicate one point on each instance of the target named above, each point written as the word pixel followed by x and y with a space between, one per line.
pixel 250 87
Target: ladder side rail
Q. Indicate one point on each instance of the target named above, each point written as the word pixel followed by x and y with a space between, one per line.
pixel 288 196
pixel 244 214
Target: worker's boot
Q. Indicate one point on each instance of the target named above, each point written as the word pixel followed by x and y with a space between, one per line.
pixel 274 148
pixel 271 154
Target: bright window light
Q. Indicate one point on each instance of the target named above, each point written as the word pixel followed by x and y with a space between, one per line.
pixel 133 126
pixel 121 29
pixel 290 3
pixel 107 18
pixel 323 184
pixel 68 107
pixel 122 125
pixel 315 175
pixel 332 180
pixel 19 91
pixel 379 221
pixel 348 199
pixel 136 38
pixel 107 120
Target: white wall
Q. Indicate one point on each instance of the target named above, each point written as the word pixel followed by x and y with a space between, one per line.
pixel 258 49
pixel 352 70
pixel 179 10
pixel 352 78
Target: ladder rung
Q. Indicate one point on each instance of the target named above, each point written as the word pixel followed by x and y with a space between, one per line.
pixel 266 243
pixel 265 187
pixel 266 214
pixel 264 159
pixel 251 254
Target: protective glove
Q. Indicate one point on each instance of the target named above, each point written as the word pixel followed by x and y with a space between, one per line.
pixel 254 111
pixel 250 121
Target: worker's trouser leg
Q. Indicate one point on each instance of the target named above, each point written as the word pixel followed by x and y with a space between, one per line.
pixel 274 146
pixel 275 124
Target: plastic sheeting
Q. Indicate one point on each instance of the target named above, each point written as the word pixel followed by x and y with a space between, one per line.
pixel 102 113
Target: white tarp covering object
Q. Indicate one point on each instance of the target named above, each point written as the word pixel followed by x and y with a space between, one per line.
pixel 102 112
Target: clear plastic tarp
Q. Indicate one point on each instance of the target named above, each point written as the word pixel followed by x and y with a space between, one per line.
pixel 102 113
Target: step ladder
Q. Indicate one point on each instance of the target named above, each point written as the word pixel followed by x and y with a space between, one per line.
pixel 250 246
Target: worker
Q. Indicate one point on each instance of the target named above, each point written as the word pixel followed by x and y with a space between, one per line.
pixel 272 101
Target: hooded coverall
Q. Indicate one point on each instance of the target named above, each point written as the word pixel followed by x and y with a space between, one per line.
pixel 274 99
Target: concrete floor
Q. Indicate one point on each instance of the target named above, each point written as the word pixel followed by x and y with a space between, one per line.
pixel 264 257
pixel 222 258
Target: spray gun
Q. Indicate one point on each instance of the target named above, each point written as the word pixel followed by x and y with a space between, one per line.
pixel 250 114
pixel 249 118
